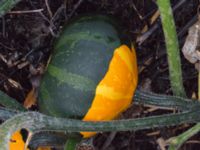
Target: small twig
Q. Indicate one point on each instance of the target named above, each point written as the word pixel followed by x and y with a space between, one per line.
pixel 3 27
pixel 26 11
pixel 75 8
pixel 9 48
pixel 193 142
pixel 48 8
pixel 65 8
pixel 46 19
pixel 2 57
pixel 140 39
pixel 108 141
pixel 154 17
pixel 136 10
pixel 187 26
pixel 58 12
pixel 161 142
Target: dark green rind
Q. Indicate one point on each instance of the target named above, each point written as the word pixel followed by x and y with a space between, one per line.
pixel 91 24
pixel 81 58
pixel 50 101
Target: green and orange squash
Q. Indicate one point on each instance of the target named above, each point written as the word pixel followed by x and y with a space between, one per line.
pixel 92 74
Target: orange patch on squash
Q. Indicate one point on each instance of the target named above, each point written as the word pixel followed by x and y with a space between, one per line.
pixel 115 91
pixel 16 142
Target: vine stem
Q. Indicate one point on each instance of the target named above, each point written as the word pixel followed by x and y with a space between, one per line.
pixel 166 101
pixel 173 54
pixel 140 97
pixel 36 122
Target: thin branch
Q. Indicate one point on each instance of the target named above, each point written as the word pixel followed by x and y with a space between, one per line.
pixel 25 11
pixel 140 39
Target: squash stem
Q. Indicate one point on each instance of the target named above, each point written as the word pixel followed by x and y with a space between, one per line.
pixel 173 54
pixel 37 122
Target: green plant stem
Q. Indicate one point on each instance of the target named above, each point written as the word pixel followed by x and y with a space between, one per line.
pixel 165 101
pixel 6 5
pixel 176 142
pixel 171 41
pixel 36 122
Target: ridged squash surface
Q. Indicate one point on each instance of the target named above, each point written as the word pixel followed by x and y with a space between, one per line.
pixel 80 60
pixel 92 74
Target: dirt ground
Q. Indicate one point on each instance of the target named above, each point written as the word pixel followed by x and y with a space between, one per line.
pixel 26 38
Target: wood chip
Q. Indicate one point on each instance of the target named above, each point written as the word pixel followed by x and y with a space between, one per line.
pixel 30 99
pixel 162 144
